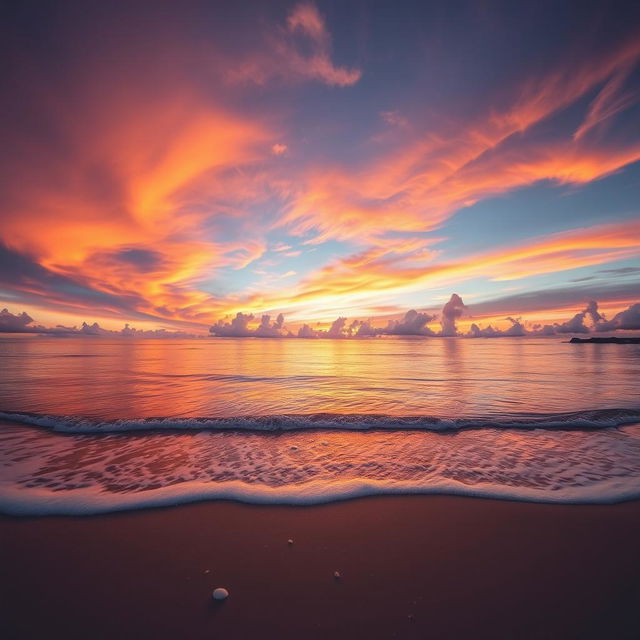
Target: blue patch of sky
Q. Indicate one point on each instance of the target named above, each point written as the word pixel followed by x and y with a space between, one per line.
pixel 276 264
pixel 544 208
pixel 481 289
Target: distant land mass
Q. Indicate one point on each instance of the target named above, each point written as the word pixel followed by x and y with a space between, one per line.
pixel 607 340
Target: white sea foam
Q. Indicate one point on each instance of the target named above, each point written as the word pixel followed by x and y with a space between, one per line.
pixel 42 472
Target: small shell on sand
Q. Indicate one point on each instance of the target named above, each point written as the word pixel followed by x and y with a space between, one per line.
pixel 336 575
pixel 220 594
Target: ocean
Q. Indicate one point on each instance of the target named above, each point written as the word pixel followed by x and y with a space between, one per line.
pixel 94 425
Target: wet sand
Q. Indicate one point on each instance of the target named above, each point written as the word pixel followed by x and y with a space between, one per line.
pixel 411 567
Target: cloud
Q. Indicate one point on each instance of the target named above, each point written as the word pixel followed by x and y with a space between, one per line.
pixel 123 181
pixel 413 324
pixel 337 330
pixel 278 149
pixel 10 323
pixel 244 254
pixel 398 265
pixel 394 119
pixel 23 274
pixel 365 330
pixel 266 329
pixel 151 250
pixel 23 323
pixel 543 330
pixel 450 313
pixel 550 301
pixel 515 330
pixel 611 100
pixel 577 323
pixel 457 162
pixel 592 311
pixel 141 259
pixel 94 329
pixel 301 50
pixel 239 327
pixel 622 271
pixel 627 320
pixel 306 331
pixel 141 182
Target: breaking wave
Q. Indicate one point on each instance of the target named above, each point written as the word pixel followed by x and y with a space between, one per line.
pixel 592 419
pixel 43 472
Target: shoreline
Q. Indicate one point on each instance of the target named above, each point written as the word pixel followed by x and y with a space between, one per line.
pixel 263 501
pixel 411 567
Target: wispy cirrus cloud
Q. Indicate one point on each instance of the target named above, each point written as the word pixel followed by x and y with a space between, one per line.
pixel 612 99
pixel 298 51
pixel 418 185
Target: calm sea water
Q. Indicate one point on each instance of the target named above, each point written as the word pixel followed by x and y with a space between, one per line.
pixel 91 425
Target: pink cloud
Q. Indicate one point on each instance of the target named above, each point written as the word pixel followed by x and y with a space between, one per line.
pixel 611 100
pixel 286 58
pixel 278 149
pixel 419 183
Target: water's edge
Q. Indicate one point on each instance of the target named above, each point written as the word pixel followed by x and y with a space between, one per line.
pixel 43 472
pixel 13 503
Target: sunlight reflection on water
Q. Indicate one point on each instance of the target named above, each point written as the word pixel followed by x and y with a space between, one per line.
pixel 226 377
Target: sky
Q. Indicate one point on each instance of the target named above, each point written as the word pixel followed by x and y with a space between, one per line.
pixel 174 164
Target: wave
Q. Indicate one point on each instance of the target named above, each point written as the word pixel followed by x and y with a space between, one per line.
pixel 591 419
pixel 43 472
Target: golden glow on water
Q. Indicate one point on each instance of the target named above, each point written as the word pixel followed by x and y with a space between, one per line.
pixel 229 377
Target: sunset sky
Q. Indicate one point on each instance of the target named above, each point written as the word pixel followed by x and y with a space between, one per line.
pixel 172 164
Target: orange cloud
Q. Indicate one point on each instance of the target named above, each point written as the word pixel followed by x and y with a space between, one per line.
pixel 353 283
pixel 418 186
pixel 131 185
pixel 278 149
pixel 139 181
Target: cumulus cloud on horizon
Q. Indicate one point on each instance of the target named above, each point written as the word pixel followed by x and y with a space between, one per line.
pixel 12 323
pixel 416 323
pixel 450 313
pixel 516 329
pixel 413 323
pixel 238 327
pixel 627 320
pixel 23 323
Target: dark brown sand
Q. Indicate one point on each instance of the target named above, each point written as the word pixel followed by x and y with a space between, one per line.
pixel 412 567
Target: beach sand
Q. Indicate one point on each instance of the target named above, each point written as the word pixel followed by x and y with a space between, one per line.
pixel 411 567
